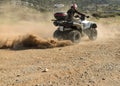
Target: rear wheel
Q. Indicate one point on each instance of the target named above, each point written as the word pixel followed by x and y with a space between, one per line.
pixel 75 36
pixel 93 34
pixel 58 35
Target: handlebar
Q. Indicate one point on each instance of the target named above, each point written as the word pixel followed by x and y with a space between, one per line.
pixel 82 17
pixel 78 16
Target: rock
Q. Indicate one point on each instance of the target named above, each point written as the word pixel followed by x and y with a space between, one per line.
pixel 17 81
pixel 45 70
pixel 103 78
pixel 50 83
pixel 18 75
pixel 91 81
pixel 37 85
pixel 60 49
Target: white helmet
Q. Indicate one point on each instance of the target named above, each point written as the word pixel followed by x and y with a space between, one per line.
pixel 74 6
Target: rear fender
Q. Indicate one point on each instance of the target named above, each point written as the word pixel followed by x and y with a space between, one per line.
pixel 63 23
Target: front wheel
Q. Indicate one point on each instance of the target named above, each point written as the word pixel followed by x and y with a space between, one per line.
pixel 75 36
pixel 93 34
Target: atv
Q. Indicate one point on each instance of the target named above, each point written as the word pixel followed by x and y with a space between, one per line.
pixel 73 30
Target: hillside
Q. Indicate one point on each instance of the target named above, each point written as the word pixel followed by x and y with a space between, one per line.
pixel 48 5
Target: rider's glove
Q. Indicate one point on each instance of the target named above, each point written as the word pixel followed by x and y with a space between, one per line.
pixel 87 16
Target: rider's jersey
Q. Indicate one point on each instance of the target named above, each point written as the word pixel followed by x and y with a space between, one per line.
pixel 71 12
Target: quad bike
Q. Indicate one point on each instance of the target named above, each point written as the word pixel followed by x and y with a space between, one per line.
pixel 73 30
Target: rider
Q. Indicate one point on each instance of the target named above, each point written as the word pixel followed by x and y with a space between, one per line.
pixel 71 12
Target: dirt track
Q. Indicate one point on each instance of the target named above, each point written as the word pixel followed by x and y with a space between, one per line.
pixel 90 63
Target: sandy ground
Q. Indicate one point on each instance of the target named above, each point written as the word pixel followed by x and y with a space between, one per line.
pixel 89 63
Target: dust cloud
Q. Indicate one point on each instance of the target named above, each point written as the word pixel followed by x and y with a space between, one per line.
pixel 23 27
pixel 108 28
pixel 22 20
pixel 32 41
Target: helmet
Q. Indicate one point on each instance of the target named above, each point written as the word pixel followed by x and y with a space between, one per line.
pixel 74 6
